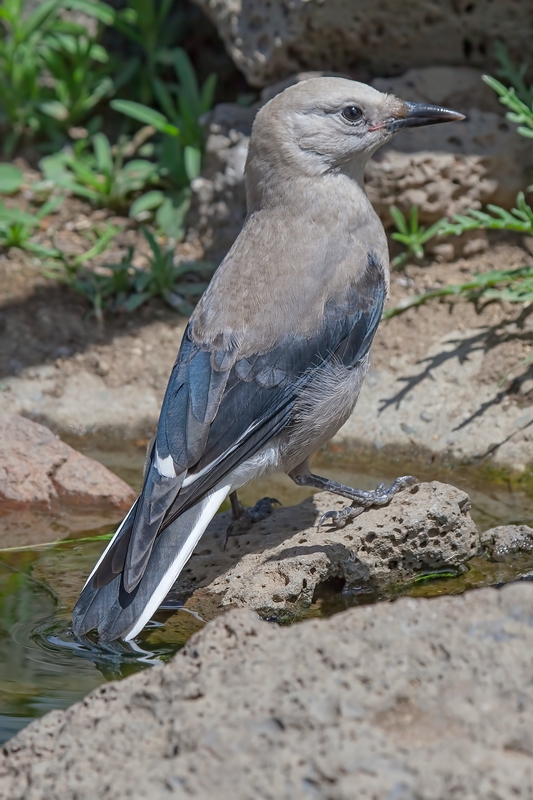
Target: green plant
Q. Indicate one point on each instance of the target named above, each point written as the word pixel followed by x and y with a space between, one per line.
pixel 101 175
pixel 47 76
pixel 513 75
pixel 179 153
pixel 411 234
pixel 511 285
pixel 498 219
pixel 166 280
pixel 11 179
pixel 184 103
pixel 122 286
pixel 71 269
pixel 154 27
pixel 515 286
pixel 79 72
pixel 17 228
pixel 518 98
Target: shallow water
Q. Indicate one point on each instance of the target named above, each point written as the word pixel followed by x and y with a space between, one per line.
pixel 42 667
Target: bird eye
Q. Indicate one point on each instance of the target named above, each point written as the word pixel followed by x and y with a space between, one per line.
pixel 352 113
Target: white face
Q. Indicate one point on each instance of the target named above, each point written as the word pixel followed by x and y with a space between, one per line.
pixel 326 123
pixel 344 127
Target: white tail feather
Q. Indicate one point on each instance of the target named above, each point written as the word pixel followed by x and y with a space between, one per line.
pixel 207 509
pixel 109 545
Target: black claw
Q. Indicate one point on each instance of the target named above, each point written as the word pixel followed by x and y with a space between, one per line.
pixel 262 509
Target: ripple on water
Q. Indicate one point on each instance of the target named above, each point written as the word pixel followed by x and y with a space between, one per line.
pixel 44 667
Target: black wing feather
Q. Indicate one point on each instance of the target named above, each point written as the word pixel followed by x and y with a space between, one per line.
pixel 220 410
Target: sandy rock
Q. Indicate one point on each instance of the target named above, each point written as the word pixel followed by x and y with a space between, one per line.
pixel 505 541
pixel 283 562
pixel 269 41
pixel 461 88
pixel 449 169
pixel 42 393
pixel 442 169
pixel 438 404
pixel 37 468
pixel 412 699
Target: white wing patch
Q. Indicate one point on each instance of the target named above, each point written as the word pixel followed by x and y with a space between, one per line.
pixel 165 466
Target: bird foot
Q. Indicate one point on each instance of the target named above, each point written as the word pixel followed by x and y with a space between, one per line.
pixel 244 518
pixel 379 497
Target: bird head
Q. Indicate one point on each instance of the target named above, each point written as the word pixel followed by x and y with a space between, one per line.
pixel 325 125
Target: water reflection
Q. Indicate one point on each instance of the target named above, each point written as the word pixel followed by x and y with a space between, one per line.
pixel 43 667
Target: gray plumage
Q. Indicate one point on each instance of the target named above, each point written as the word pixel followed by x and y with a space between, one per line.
pixel 274 356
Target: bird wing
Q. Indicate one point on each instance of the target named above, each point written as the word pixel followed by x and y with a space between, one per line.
pixel 221 409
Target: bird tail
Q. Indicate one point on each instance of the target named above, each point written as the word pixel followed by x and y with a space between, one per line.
pixel 116 613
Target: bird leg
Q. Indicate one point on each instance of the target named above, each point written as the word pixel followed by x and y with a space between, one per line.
pixel 361 500
pixel 244 518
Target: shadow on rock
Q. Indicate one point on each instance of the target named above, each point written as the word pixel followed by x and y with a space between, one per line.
pixel 283 563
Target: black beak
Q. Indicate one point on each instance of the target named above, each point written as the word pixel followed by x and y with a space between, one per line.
pixel 418 114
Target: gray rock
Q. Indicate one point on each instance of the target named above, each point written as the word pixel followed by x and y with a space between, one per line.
pixel 505 541
pixel 43 393
pixel 407 700
pixel 282 563
pixel 446 170
pixel 268 41
pixel 469 423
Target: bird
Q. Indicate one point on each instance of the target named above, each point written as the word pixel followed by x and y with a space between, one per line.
pixel 274 355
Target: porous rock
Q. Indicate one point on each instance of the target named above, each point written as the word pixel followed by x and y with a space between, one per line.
pixel 442 169
pixel 505 541
pixel 37 469
pixel 411 699
pixel 268 41
pixel 281 563
pixel 449 169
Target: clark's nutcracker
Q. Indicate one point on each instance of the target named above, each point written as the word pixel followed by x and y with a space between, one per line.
pixel 274 355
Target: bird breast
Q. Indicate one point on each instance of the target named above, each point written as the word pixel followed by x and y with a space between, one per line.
pixel 322 408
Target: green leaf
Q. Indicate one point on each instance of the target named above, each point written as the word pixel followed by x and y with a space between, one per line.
pixel 53 167
pixel 165 99
pixel 187 79
pixel 399 219
pixel 208 92
pixel 104 157
pixel 18 217
pixel 100 11
pixel 192 289
pixel 171 215
pixel 100 245
pixel 147 202
pixel 199 267
pixel 136 300
pixel 146 115
pixel 35 21
pixel 54 109
pixel 154 246
pixel 11 179
pixel 40 250
pixel 50 206
pixel 104 88
pixel 193 162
